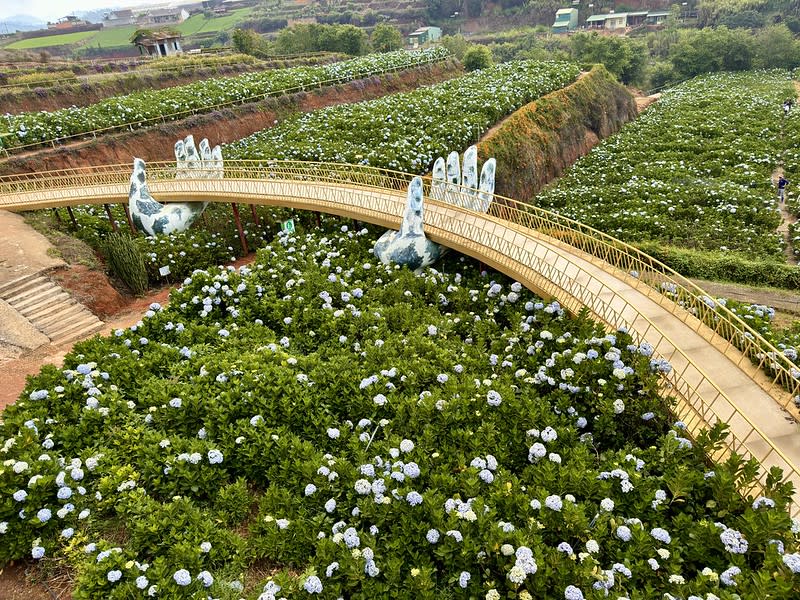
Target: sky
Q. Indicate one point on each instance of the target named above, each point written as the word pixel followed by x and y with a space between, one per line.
pixel 50 10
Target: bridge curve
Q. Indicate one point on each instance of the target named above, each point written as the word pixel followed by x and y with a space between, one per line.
pixel 722 370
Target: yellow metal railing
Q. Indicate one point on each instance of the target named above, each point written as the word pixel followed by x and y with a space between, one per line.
pixel 560 265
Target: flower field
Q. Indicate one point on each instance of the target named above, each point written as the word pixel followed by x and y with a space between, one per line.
pixel 138 109
pixel 213 241
pixel 693 171
pixel 321 425
pixel 408 131
pixel 760 318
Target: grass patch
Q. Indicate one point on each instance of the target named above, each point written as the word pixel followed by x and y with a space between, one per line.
pixel 112 37
pixel 199 23
pixel 51 40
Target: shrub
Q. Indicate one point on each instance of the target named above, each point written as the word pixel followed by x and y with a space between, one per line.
pixel 126 261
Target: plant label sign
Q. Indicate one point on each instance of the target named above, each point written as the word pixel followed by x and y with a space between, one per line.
pixel 163 271
pixel 288 226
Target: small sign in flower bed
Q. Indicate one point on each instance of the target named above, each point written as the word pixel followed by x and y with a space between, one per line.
pixel 693 171
pixel 408 131
pixel 321 425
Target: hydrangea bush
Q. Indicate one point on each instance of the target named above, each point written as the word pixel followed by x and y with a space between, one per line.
pixel 213 240
pixel 358 431
pixel 694 170
pixel 408 131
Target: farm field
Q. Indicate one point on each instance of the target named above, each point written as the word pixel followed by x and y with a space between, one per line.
pixel 113 37
pixel 198 23
pixel 408 131
pixel 142 108
pixel 374 434
pixel 318 424
pixel 694 171
pixel 51 40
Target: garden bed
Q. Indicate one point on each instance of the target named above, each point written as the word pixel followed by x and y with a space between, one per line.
pixel 319 424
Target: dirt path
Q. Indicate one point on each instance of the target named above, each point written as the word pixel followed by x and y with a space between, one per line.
pixel 787 218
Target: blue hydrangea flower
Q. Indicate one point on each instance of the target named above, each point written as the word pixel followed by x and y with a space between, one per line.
pixel 661 535
pixel 553 502
pixel 414 498
pixel 463 579
pixel 44 515
pixel 182 577
pixel 493 398
pixel 573 593
pixel 432 536
pixel 206 578
pixel 623 532
pixel 313 585
pixel 726 577
pixel 114 575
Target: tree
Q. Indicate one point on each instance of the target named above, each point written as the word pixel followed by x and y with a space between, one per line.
pixel 386 38
pixel 246 41
pixel 623 57
pixel 455 44
pixel 477 57
pixel 709 50
pixel 776 48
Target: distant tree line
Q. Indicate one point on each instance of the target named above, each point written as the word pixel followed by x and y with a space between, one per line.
pixel 314 37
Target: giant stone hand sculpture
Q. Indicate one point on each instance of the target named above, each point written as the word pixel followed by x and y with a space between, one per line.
pixel 154 218
pixel 472 195
pixel 409 246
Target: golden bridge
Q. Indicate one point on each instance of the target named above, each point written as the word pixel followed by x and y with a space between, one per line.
pixel 722 369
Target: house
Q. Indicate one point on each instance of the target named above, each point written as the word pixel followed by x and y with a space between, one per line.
pixel 166 15
pixel 119 18
pixel 618 21
pixel 424 35
pixel 67 23
pixel 657 17
pixel 159 43
pixel 566 20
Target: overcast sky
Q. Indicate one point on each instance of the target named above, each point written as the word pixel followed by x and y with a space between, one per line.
pixel 49 10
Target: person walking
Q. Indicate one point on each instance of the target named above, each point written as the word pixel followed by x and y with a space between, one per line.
pixel 782 183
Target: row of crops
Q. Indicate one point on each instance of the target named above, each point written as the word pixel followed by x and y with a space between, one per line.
pixel 408 131
pixel 369 433
pixel 693 171
pixel 142 108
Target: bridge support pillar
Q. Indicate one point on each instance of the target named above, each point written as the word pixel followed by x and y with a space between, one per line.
pixel 254 213
pixel 72 217
pixel 239 228
pixel 128 217
pixel 111 218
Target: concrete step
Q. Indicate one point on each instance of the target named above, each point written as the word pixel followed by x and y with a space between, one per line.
pixel 32 290
pixel 45 298
pixel 17 283
pixel 80 328
pixel 62 313
pixel 50 309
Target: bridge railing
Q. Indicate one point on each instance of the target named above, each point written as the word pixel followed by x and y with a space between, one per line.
pixel 681 297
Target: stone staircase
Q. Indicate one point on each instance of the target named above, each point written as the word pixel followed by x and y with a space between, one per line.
pixel 50 309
